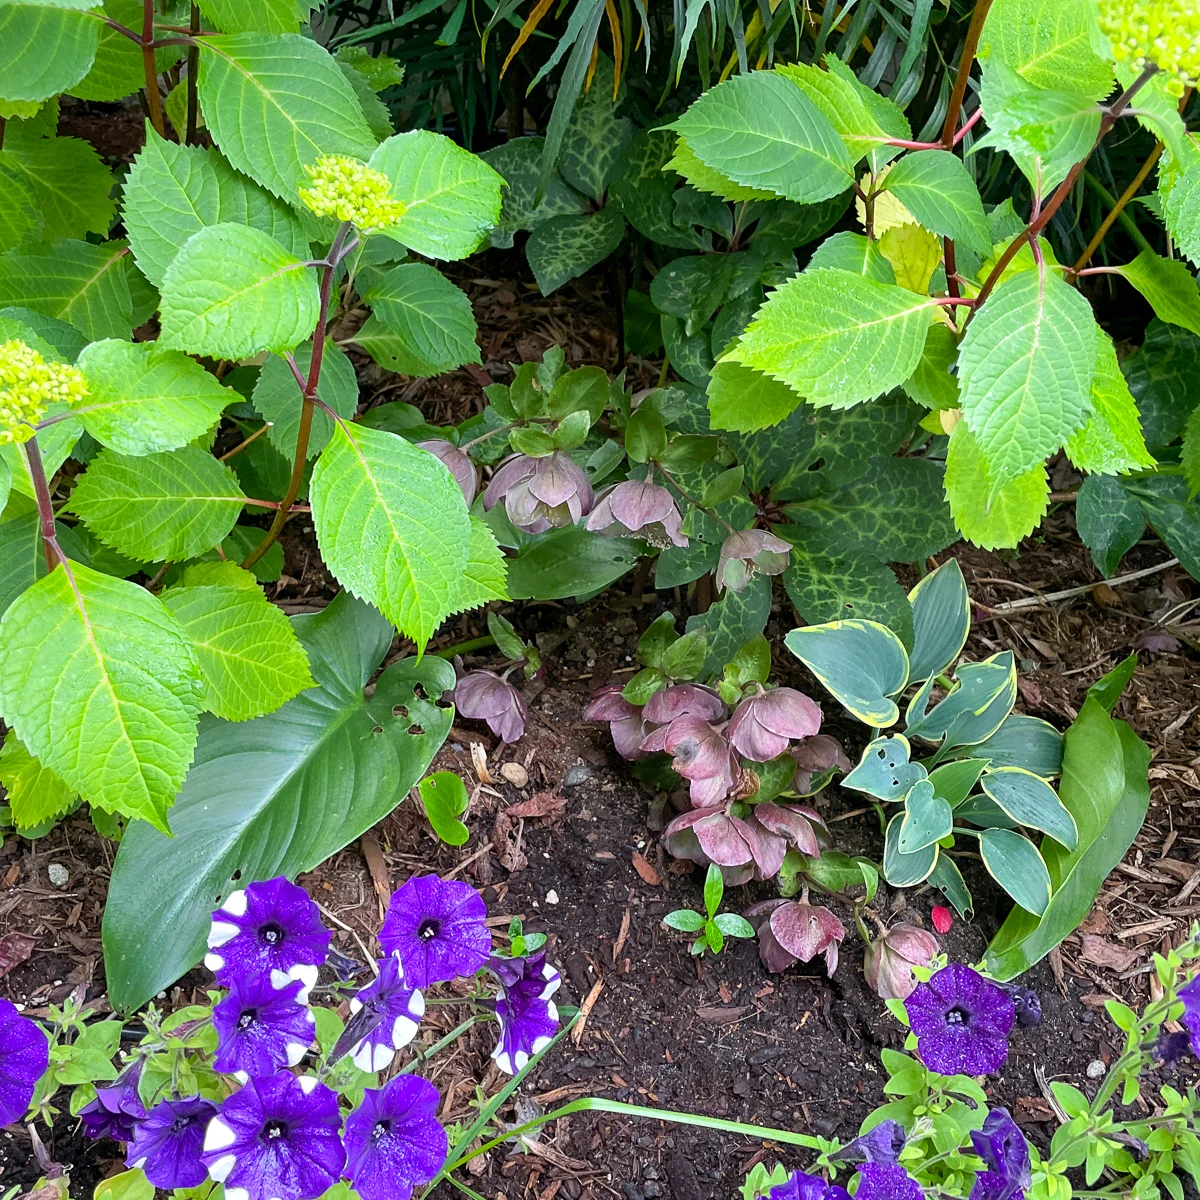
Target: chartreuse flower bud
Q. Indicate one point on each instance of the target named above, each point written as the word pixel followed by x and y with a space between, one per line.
pixel 1163 32
pixel 349 190
pixel 29 385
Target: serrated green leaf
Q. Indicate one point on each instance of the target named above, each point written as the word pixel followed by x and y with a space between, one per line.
pixel 825 588
pixel 56 340
pixel 914 253
pixel 518 163
pixel 161 507
pixel 233 291
pixel 1110 442
pixel 1025 370
pixel 86 285
pixel 142 400
pixel 1051 43
pixel 99 681
pixel 276 102
pixel 745 400
pixel 569 562
pixel 118 70
pixel 422 325
pixel 1109 520
pixel 451 197
pixel 708 180
pixel 761 131
pixel 173 191
pixel 1169 287
pixel 35 793
pixel 249 655
pixel 278 398
pixel 484 577
pixel 939 192
pixel 1181 207
pixel 853 252
pixel 378 115
pixel 563 248
pixel 692 287
pixel 20 216
pixel 392 526
pixel 45 49
pixel 263 16
pixel 837 338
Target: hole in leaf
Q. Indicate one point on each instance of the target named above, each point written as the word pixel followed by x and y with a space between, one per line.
pixel 400 711
pixel 817 464
pixel 416 731
pixel 420 692
pixel 377 729
pixel 236 875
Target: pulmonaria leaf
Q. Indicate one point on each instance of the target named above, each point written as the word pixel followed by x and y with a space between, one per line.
pixel 833 588
pixel 35 794
pixel 101 684
pixel 234 291
pixel 1110 442
pixel 1109 520
pixel 518 163
pixel 392 525
pixel 1025 371
pixel 563 248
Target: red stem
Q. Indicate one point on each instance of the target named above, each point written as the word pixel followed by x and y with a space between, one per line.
pixel 965 63
pixel 45 506
pixel 150 67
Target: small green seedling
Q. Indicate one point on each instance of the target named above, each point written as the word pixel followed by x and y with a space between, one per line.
pixel 715 927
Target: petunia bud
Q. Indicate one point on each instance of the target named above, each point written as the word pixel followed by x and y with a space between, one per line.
pixel 748 553
pixel 626 723
pixel 460 466
pixel 484 696
pixel 636 508
pixel 889 961
pixel 700 754
pixel 764 725
pixel 540 493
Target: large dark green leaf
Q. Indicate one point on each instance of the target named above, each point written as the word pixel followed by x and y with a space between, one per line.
pixel 1164 377
pixel 274 796
pixel 569 562
pixel 1109 520
pixel 1172 515
pixel 833 588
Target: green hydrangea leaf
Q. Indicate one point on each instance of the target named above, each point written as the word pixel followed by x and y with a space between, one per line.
pixel 103 687
pixel 117 70
pixel 45 49
pixel 1050 43
pixel 1169 287
pixel 233 291
pixel 20 216
pixel 35 794
pixel 849 251
pixel 392 526
pixel 939 192
pixel 278 400
pixel 256 16
pixel 705 179
pixel 484 577
pixel 1111 442
pixel 161 507
pixel 746 400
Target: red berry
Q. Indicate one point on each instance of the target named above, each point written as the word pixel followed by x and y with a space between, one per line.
pixel 942 918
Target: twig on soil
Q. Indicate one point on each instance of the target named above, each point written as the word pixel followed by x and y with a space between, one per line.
pixel 466 862
pixel 353 933
pixel 585 1011
pixel 1069 593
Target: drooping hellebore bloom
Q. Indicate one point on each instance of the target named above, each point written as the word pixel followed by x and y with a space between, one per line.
pixel 1005 1154
pixel 636 508
pixel 484 696
pixel 748 553
pixel 763 726
pixel 458 464
pixel 540 493
pixel 700 754
pixel 684 700
pixel 887 1181
pixel 626 725
pixel 261 1028
pixel 795 931
pixel 761 837
pixel 272 929
pixel 889 960
pixel 879 1145
pixel 276 1137
pixel 1190 995
pixel 801 1186
pixel 394 1141
pixel 24 1057
pixel 435 927
pixel 166 1145
pixel 528 1017
pixel 117 1108
pixel 962 1022
pixel 814 755
pixel 396 1009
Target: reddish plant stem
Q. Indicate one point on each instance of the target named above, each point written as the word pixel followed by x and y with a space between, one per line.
pixel 965 63
pixel 1126 196
pixel 123 30
pixel 150 67
pixel 193 66
pixel 45 506
pixel 308 398
pixel 958 137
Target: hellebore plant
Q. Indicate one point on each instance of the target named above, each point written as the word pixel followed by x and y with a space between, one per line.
pixel 712 926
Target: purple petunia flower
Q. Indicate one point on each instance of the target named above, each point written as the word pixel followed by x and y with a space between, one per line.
pixel 435 927
pixel 261 1028
pixel 528 1017
pixel 636 508
pixel 1005 1154
pixel 1190 995
pixel 277 1136
pixel 484 696
pixel 394 1010
pixel 24 1057
pixel 962 1022
pixel 879 1145
pixel 394 1140
pixel 886 1181
pixel 1172 1046
pixel 117 1108
pixel 1027 1005
pixel 166 1145
pixel 272 929
pixel 800 1186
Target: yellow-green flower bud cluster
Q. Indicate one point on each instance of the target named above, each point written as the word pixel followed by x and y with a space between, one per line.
pixel 29 386
pixel 349 190
pixel 1163 32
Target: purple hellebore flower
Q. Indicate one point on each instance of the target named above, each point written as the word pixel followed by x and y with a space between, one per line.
pixel 117 1108
pixel 528 1017
pixel 748 553
pixel 626 725
pixel 879 1145
pixel 795 931
pixel 457 463
pixel 261 1028
pixel 889 960
pixel 272 929
pixel 540 493
pixel 1005 1154
pixel 962 1022
pixel 484 696
pixel 700 754
pixel 761 837
pixel 886 1181
pixel 24 1057
pixel 397 1010
pixel 684 700
pixel 636 508
pixel 814 755
pixel 800 1186
pixel 277 1136
pixel 394 1140
pixel 166 1145
pixel 435 927
pixel 763 726
pixel 1190 995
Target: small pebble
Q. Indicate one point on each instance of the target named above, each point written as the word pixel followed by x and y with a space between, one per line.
pixel 59 875
pixel 576 775
pixel 515 774
pixel 1096 1069
pixel 551 897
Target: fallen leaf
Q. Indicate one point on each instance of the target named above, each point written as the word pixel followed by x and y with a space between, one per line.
pixel 715 1015
pixel 15 948
pixel 1105 596
pixel 1102 953
pixel 724 992
pixel 1030 692
pixel 540 804
pixel 508 846
pixel 376 865
pixel 643 867
pixel 11 875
